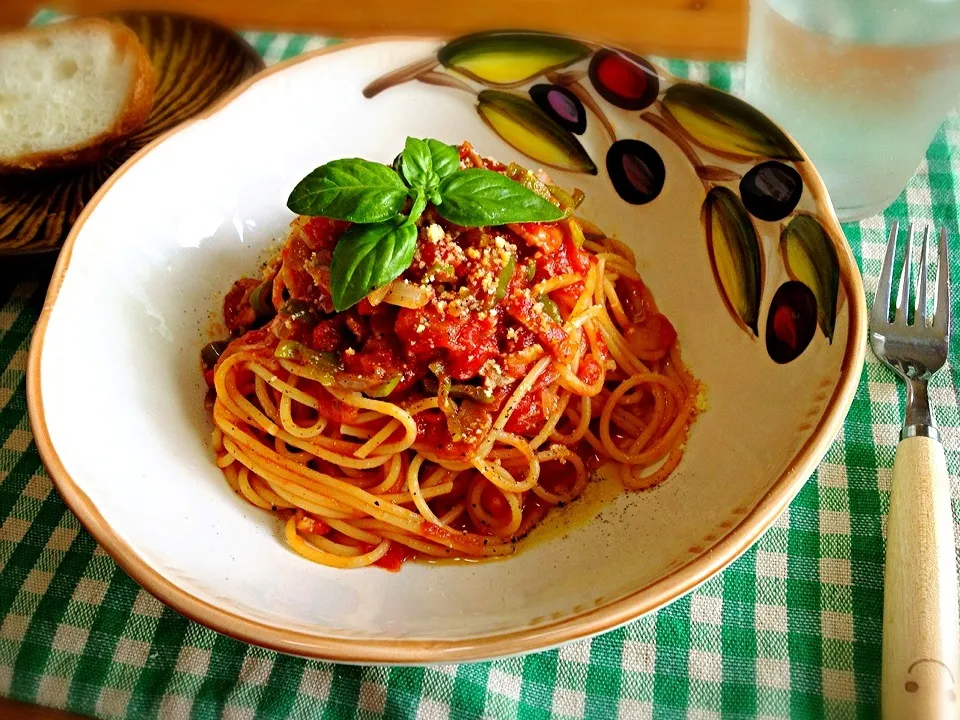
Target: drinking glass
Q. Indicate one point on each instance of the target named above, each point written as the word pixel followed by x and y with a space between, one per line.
pixel 861 85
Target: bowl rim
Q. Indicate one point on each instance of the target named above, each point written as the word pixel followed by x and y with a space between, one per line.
pixel 677 583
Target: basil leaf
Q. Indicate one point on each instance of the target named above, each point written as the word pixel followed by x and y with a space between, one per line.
pixel 368 257
pixel 353 189
pixel 477 197
pixel 425 162
pixel 419 205
pixel 416 163
pixel 446 158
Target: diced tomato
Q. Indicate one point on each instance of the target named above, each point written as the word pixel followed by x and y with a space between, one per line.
pixel 589 370
pixel 432 428
pixel 546 236
pixel 208 377
pixel 237 312
pixel 395 556
pixel 323 233
pixel 440 259
pixel 379 357
pixel 331 408
pixel 528 418
pixel 365 308
pixel 310 523
pixel 432 431
pixel 652 338
pixel 297 280
pixel 548 331
pixel 568 258
pixel 328 335
pixel 304 275
pixel 465 343
pixel 494 503
pixel 477 345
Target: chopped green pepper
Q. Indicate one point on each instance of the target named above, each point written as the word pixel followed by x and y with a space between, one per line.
pixel 385 388
pixel 568 202
pixel 503 281
pixel 576 232
pixel 520 174
pixel 325 363
pixel 531 270
pixel 442 270
pixel 550 308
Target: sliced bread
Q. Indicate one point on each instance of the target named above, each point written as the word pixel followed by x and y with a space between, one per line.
pixel 70 91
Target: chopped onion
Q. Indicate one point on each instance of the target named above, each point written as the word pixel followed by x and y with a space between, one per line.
pixel 375 297
pixel 407 295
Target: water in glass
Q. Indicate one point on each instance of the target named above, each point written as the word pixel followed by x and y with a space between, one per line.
pixel 862 85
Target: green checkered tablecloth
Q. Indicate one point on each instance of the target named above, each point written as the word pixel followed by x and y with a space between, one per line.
pixel 791 629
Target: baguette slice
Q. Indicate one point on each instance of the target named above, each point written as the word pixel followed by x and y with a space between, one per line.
pixel 70 91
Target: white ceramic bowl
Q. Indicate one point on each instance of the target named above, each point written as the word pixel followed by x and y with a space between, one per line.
pixel 116 397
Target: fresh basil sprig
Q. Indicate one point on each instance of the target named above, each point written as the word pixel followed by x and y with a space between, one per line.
pixel 424 163
pixel 381 244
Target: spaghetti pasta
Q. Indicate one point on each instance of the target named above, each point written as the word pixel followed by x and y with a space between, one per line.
pixel 448 414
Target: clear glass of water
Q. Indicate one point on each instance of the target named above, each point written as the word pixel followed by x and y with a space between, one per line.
pixel 861 85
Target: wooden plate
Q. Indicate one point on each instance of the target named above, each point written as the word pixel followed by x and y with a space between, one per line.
pixel 196 61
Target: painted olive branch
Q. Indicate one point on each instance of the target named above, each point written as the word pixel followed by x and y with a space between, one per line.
pixel 399 76
pixel 708 174
pixel 571 80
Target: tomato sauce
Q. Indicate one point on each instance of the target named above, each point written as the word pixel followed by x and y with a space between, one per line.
pixel 466 312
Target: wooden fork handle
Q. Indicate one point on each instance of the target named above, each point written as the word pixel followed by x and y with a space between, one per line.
pixel 921 629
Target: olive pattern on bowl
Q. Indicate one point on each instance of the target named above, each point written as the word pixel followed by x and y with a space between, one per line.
pixel 575 82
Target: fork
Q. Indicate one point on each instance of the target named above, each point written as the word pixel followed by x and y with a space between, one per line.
pixel 921 639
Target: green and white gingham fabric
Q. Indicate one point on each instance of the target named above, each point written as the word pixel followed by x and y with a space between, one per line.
pixel 791 629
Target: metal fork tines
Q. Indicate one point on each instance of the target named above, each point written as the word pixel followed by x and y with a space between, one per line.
pixel 914 350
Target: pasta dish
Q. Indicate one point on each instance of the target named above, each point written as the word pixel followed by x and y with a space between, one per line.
pixel 445 412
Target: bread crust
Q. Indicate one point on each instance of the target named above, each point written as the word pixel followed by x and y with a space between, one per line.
pixel 136 107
